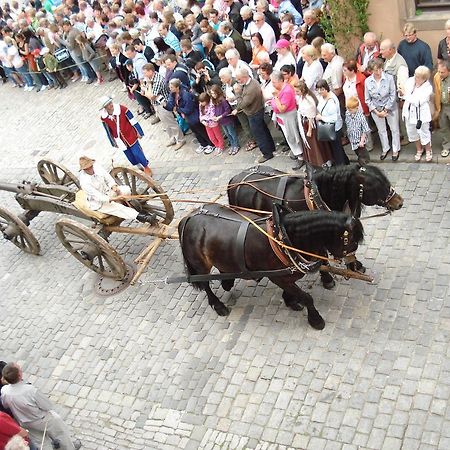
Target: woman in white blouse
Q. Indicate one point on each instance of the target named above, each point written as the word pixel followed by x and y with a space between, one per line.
pixel 315 152
pixel 416 111
pixel 329 112
pixel 312 70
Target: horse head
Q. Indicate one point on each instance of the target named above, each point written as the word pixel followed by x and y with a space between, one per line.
pixel 375 189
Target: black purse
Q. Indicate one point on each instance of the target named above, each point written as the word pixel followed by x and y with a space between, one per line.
pixel 325 131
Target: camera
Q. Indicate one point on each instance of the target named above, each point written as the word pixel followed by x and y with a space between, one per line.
pixel 419 124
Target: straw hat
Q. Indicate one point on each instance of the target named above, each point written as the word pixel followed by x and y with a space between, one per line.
pixel 86 162
pixel 105 100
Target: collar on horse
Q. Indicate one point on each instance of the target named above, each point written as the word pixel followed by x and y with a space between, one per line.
pixel 275 229
pixel 312 196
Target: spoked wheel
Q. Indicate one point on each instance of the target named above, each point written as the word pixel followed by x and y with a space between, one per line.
pixel 90 249
pixel 15 231
pixel 52 172
pixel 141 184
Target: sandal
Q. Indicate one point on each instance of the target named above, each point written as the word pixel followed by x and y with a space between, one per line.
pixel 418 155
pixel 429 156
pixel 445 152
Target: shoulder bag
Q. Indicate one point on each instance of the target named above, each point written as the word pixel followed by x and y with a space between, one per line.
pixel 325 131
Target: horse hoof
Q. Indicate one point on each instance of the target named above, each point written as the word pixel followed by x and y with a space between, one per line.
pixel 317 323
pixel 295 306
pixel 221 310
pixel 329 284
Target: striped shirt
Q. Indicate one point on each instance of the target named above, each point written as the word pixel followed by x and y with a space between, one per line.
pixel 356 126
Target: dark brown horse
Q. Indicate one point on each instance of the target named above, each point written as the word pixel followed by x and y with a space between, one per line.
pixel 215 236
pixel 339 187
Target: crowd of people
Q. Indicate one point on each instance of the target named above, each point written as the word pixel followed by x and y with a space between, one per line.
pixel 237 75
pixel 28 420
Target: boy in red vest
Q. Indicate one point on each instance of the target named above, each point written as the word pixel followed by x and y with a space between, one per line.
pixel 124 132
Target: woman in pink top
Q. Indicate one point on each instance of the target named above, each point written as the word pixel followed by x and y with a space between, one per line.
pixel 285 108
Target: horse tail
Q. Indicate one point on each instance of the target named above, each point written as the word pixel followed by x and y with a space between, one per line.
pixel 188 268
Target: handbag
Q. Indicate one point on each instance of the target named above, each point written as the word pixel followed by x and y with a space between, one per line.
pixel 325 131
pixel 184 127
pixel 62 54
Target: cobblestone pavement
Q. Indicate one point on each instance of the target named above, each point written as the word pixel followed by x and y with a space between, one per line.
pixel 155 368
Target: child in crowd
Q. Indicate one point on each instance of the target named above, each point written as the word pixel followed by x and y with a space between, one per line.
pixel 51 65
pixel 90 56
pixel 224 117
pixel 208 117
pixel 357 129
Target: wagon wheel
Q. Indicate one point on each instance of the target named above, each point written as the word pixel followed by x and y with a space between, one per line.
pixel 90 249
pixel 52 172
pixel 141 184
pixel 15 231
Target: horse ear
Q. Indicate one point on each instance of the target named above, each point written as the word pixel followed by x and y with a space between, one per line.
pixel 347 209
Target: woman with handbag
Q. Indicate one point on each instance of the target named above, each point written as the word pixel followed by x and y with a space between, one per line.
pixel 329 122
pixel 315 152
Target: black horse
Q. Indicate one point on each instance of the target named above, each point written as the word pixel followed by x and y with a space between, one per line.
pixel 339 185
pixel 215 236
pixel 339 188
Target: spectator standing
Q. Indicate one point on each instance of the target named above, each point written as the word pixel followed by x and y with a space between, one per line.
pixel 333 73
pixel 33 410
pixel 226 30
pixel 183 103
pixel 169 38
pixel 208 117
pixel 368 50
pixel 260 26
pixel 312 26
pixel 357 130
pixel 123 132
pixel 263 7
pixel 250 101
pixel 441 84
pixel 233 13
pixel 417 113
pixel 259 52
pixel 285 56
pixel 51 65
pixel 312 69
pixel 443 52
pixel 224 117
pixel 415 51
pixel 315 152
pixel 90 56
pixel 329 112
pixel 380 94
pixel 235 63
pixel 285 108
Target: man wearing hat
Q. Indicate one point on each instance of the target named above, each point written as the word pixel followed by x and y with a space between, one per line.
pixel 123 131
pixel 104 195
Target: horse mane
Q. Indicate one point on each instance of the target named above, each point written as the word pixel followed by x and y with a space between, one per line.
pixel 335 185
pixel 318 225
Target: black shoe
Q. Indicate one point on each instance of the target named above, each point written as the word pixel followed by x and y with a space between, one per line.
pixel 383 155
pixel 262 159
pixel 293 157
pixel 147 218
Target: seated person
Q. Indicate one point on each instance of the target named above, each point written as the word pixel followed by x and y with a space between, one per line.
pixel 104 195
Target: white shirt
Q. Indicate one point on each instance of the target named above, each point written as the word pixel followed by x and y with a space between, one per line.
pixel 267 34
pixel 349 89
pixel 330 110
pixel 417 101
pixel 26 402
pixel 283 60
pixel 4 54
pixel 14 54
pixel 306 106
pixel 312 73
pixel 240 65
pixel 333 72
pixel 97 187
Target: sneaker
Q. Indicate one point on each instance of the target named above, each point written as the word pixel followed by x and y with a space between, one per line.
pixel 155 119
pixel 27 88
pixel 171 142
pixel 208 149
pixel 178 145
pixel 199 150
pixel 230 150
pixel 43 88
pixel 235 150
pixel 218 152
pixel 262 159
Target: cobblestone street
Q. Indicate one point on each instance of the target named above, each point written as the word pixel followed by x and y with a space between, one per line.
pixel 154 367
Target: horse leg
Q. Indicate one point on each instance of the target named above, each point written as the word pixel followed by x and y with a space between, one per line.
pixel 292 290
pixel 356 266
pixel 227 285
pixel 215 303
pixel 291 301
pixel 327 280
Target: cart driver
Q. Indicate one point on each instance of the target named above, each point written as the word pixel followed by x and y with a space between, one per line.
pixel 104 195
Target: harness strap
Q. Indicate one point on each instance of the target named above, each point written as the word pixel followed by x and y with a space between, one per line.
pixel 273 243
pixel 240 245
pixel 281 189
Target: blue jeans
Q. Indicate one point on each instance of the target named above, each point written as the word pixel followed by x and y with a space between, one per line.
pixel 230 132
pixel 85 68
pixel 25 75
pixel 261 133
